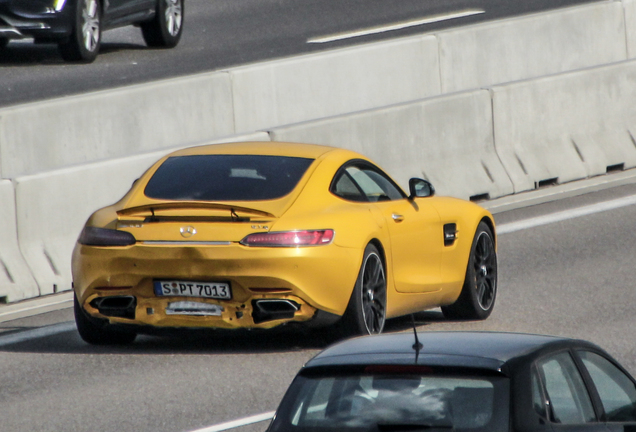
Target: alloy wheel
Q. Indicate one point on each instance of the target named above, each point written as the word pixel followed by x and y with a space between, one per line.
pixel 373 294
pixel 173 16
pixel 90 25
pixel 485 266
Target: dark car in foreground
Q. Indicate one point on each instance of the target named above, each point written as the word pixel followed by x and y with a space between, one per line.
pixel 462 381
pixel 77 25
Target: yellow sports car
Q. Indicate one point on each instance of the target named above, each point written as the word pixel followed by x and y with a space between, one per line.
pixel 255 235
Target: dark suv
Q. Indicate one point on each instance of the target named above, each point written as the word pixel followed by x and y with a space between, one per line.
pixel 76 25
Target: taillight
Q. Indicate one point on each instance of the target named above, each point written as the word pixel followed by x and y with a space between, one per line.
pixel 92 236
pixel 289 238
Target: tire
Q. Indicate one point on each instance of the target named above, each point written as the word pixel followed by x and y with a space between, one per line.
pixel 366 311
pixel 164 30
pixel 86 36
pixel 95 334
pixel 477 298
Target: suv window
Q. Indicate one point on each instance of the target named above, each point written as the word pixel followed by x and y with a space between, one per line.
pixel 351 402
pixel 538 402
pixel 616 390
pixel 226 177
pixel 566 391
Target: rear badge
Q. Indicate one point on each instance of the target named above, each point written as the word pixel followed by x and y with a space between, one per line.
pixel 193 308
pixel 188 231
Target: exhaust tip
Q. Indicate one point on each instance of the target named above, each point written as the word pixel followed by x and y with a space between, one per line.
pixel 273 309
pixel 116 306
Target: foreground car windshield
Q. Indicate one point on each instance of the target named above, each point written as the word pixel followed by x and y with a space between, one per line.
pixel 226 177
pixel 380 402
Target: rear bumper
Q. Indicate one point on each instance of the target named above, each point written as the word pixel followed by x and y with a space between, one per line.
pixel 270 286
pixel 35 19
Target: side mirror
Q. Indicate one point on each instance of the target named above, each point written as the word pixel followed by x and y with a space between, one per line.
pixel 420 188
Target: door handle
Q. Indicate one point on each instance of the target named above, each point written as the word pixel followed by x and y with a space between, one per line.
pixel 397 217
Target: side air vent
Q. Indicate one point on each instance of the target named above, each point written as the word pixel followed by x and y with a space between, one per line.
pixel 450 234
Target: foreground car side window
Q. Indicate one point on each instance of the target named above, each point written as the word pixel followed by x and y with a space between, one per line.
pixel 616 390
pixel 226 177
pixel 569 399
pixel 538 402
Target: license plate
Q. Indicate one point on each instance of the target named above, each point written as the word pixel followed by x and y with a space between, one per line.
pixel 214 290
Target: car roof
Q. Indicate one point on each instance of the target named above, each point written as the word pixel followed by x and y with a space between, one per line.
pixel 270 148
pixel 484 350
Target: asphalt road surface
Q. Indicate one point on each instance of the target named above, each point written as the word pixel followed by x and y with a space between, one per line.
pixel 223 33
pixel 573 278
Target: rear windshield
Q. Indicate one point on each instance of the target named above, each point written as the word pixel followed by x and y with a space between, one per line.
pixel 226 177
pixel 380 402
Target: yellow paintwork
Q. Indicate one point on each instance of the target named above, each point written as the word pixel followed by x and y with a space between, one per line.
pixel 421 272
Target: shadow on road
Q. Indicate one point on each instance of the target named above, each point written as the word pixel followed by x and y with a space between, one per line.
pixel 208 342
pixel 28 54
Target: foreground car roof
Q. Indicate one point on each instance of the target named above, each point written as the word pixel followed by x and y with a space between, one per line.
pixel 486 350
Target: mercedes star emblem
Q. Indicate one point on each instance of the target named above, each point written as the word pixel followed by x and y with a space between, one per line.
pixel 188 231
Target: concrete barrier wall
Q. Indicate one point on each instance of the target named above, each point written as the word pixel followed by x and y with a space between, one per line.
pixel 16 281
pixel 533 46
pixel 52 208
pixel 630 26
pixel 447 140
pixel 566 127
pixel 335 82
pixel 49 135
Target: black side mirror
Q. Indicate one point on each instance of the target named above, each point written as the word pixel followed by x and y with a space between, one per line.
pixel 420 188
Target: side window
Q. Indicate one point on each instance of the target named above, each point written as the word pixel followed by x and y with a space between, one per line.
pixel 374 185
pixel 566 391
pixel 345 188
pixel 537 397
pixel 616 390
pixel 315 409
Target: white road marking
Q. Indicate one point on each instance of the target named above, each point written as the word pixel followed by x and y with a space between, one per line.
pixel 565 215
pixel 396 26
pixel 37 333
pixel 238 423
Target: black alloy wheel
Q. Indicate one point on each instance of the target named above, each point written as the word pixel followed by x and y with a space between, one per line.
pixel 85 39
pixel 164 30
pixel 95 334
pixel 479 292
pixel 366 312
